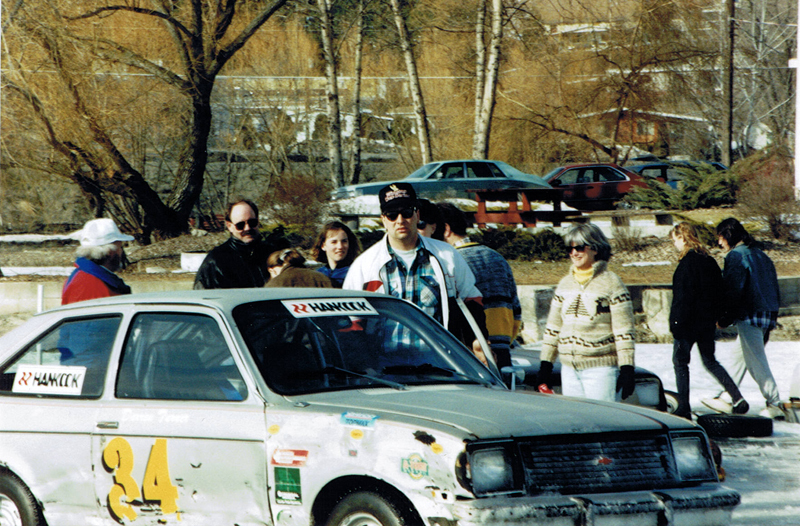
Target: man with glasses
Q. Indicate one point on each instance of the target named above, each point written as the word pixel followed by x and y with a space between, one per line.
pixel 429 273
pixel 241 261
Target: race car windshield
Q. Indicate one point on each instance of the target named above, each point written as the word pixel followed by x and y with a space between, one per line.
pixel 306 346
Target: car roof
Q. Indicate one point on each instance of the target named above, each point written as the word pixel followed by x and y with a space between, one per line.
pixel 223 299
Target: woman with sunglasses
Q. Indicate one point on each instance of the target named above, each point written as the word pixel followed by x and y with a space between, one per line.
pixel 336 247
pixel 590 325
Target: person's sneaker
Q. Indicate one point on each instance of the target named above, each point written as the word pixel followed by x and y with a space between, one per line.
pixel 717 404
pixel 773 412
pixel 741 407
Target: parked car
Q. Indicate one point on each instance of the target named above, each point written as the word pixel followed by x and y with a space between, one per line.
pixel 453 179
pixel 597 186
pixel 302 406
pixel 670 171
pixel 649 391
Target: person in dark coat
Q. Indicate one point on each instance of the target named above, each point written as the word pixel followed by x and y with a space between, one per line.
pixel 752 300
pixel 697 295
pixel 241 261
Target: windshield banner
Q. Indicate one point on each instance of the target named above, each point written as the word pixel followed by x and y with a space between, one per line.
pixel 329 307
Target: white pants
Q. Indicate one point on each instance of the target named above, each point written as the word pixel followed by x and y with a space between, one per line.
pixel 596 383
pixel 749 355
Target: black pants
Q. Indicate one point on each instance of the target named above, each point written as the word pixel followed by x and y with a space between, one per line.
pixel 681 354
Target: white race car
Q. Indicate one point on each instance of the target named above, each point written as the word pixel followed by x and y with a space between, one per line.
pixel 314 406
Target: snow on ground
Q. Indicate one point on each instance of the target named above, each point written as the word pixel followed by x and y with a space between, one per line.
pixel 766 471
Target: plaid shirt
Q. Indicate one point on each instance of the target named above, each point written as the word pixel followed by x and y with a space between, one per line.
pixel 764 320
pixel 417 285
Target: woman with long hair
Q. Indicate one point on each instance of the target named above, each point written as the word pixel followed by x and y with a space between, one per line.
pixel 336 246
pixel 697 295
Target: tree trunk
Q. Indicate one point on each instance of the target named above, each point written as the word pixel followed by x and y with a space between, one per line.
pixel 484 122
pixel 334 117
pixel 480 71
pixel 355 175
pixel 414 86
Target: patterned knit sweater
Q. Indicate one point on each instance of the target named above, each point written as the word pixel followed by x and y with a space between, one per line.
pixel 590 325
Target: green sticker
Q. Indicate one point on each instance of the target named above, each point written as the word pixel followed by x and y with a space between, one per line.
pixel 287 486
pixel 414 466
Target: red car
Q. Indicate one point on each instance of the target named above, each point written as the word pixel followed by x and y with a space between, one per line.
pixel 597 186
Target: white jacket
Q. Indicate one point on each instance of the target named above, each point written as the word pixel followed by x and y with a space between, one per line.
pixel 368 272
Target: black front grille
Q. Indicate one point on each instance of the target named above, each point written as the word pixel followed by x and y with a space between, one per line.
pixel 566 465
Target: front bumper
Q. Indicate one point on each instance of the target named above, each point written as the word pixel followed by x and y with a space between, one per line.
pixel 693 506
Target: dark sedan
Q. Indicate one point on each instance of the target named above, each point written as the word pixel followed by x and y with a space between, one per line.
pixel 453 179
pixel 671 172
pixel 597 186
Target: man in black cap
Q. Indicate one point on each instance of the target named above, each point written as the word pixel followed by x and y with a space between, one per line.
pixel 429 273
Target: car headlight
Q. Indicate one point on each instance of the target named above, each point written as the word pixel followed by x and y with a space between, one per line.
pixel 692 458
pixel 491 471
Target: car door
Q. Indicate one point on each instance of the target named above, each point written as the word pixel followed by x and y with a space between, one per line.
pixel 184 436
pixel 447 178
pixel 574 182
pixel 609 186
pixel 49 401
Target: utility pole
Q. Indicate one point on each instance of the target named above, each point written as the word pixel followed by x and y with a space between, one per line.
pixel 727 82
pixel 795 63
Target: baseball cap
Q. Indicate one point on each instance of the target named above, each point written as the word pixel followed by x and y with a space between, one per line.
pixel 99 232
pixel 397 196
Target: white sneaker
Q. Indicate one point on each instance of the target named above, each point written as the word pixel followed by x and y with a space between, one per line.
pixel 717 404
pixel 774 412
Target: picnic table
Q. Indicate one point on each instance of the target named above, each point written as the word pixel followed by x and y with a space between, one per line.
pixel 526 215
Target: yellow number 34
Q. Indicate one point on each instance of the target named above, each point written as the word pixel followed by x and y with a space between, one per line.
pixel 157 485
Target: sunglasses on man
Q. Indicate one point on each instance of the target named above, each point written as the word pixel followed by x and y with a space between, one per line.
pixel 252 223
pixel 405 212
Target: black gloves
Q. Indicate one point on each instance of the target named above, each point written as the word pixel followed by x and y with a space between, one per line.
pixel 626 381
pixel 543 376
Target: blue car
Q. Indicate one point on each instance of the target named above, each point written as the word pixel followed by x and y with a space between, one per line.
pixel 453 179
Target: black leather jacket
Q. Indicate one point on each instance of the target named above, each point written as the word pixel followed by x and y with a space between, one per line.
pixel 235 264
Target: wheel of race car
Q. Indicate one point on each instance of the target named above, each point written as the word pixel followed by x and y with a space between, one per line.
pixel 672 401
pixel 365 508
pixel 17 505
pixel 735 426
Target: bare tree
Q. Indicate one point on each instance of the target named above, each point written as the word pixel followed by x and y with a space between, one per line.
pixel 486 79
pixel 423 132
pixel 332 77
pixel 196 40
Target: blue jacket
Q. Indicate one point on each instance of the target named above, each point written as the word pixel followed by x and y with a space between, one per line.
pixel 751 284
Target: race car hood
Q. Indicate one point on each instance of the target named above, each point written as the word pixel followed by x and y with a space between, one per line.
pixel 474 411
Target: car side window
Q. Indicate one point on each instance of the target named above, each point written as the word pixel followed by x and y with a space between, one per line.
pixel 178 357
pixel 606 174
pixel 479 170
pixel 69 360
pixel 569 177
pixel 655 173
pixel 453 171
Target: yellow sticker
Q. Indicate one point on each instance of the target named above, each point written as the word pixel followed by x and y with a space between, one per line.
pixel 273 429
pixel 436 448
pixel 357 434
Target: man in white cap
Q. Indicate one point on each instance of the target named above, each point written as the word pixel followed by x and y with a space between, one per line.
pixel 98 257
